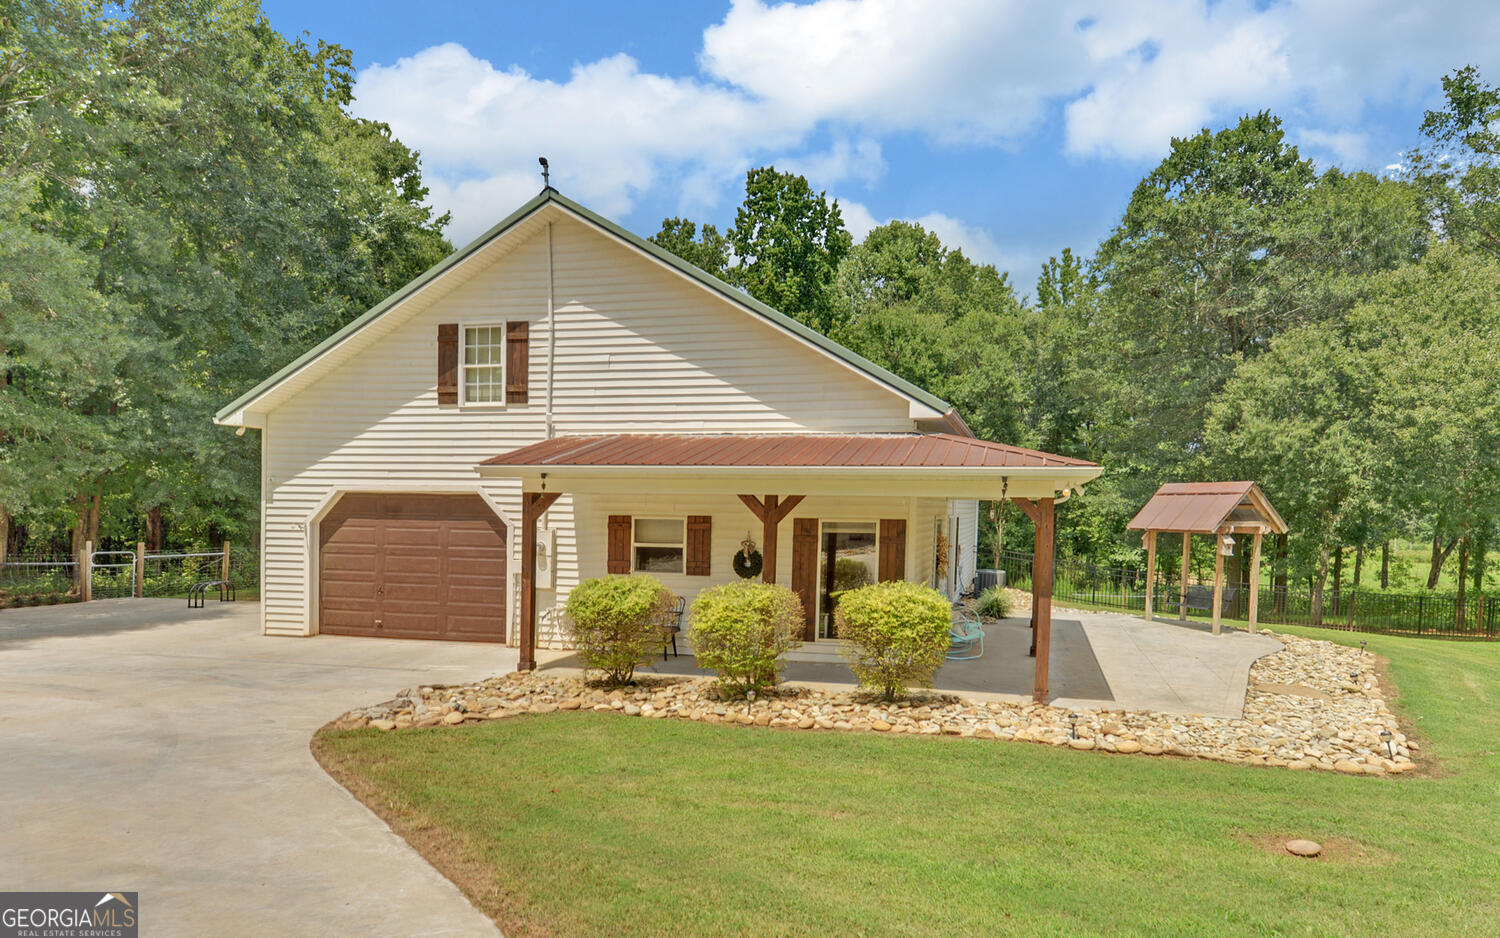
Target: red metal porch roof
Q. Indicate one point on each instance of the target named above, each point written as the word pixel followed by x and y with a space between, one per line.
pixel 907 450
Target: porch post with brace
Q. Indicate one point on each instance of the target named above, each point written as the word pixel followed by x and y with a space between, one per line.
pixel 771 512
pixel 533 505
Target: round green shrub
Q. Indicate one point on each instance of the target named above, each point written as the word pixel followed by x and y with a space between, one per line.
pixel 618 622
pixel 741 629
pixel 897 634
pixel 994 603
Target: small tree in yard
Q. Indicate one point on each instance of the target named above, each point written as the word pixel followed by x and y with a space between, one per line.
pixel 741 629
pixel 617 621
pixel 897 634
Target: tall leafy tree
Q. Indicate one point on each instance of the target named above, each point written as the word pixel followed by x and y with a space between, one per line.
pixel 1231 241
pixel 1433 331
pixel 224 211
pixel 707 250
pixel 788 242
pixel 1458 171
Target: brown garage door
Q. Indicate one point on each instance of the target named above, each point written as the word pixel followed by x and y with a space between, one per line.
pixel 412 566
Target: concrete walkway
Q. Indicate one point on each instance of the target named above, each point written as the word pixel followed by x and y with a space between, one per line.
pixel 147 747
pixel 1170 666
pixel 1099 660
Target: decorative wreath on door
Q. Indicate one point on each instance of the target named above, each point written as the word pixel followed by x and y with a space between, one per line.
pixel 747 561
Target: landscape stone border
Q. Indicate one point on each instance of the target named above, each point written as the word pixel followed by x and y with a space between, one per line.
pixel 1314 705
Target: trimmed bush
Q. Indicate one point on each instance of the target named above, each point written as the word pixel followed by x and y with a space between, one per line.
pixel 897 634
pixel 741 629
pixel 994 603
pixel 618 622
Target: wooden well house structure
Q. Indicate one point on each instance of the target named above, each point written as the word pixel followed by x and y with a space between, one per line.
pixel 1219 509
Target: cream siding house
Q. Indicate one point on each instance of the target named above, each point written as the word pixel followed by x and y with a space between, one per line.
pixel 556 324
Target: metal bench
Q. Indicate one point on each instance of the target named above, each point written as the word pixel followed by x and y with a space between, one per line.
pixel 1199 599
pixel 198 594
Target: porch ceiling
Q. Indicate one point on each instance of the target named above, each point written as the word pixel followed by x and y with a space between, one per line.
pixel 898 464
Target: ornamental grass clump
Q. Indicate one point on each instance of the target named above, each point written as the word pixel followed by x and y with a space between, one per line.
pixel 897 634
pixel 741 630
pixel 994 603
pixel 618 622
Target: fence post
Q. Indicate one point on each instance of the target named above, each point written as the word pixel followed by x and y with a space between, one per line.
pixel 140 569
pixel 86 572
pixel 224 563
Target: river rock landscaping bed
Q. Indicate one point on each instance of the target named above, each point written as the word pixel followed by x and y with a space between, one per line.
pixel 1312 706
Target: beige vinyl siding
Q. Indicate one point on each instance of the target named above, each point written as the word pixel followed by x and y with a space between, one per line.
pixel 967 512
pixel 638 348
pixel 732 522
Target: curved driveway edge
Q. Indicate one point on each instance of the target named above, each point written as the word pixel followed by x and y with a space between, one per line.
pixel 153 748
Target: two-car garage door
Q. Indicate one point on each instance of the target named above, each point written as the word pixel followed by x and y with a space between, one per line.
pixel 412 566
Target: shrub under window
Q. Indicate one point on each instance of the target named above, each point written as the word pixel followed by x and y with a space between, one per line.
pixel 618 622
pixel 741 629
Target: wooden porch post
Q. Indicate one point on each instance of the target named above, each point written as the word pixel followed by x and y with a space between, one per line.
pixel 533 505
pixel 1187 550
pixel 1255 580
pixel 1218 580
pixel 1150 571
pixel 140 568
pixel 1041 593
pixel 771 512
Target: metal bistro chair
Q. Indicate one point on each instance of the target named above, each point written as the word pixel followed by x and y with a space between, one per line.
pixel 966 638
pixel 675 627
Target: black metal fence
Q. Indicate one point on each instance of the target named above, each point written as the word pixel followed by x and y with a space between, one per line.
pixel 1357 610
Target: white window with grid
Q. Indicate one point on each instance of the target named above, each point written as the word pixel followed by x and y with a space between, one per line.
pixel 484 364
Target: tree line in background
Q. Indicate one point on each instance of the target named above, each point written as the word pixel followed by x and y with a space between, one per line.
pixel 185 205
pixel 1334 336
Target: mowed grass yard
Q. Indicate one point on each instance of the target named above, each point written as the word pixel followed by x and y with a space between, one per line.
pixel 596 824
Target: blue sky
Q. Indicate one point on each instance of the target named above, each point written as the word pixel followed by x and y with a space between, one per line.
pixel 1012 128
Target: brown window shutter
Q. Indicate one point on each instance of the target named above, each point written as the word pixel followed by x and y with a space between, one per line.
pixel 892 549
pixel 517 358
pixel 699 544
pixel 619 544
pixel 805 572
pixel 447 363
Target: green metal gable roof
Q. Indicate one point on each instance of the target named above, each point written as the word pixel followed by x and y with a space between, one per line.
pixel 547 195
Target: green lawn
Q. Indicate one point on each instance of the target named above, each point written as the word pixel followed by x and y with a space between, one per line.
pixel 592 824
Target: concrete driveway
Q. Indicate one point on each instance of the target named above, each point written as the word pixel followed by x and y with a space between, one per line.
pixel 147 747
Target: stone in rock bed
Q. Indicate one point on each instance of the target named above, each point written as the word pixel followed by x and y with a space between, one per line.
pixel 1304 848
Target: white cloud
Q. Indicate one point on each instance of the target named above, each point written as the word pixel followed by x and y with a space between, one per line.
pixel 957 70
pixel 1348 148
pixel 611 131
pixel 1122 78
pixel 1198 67
pixel 977 243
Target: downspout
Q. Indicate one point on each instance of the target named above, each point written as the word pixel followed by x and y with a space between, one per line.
pixel 551 332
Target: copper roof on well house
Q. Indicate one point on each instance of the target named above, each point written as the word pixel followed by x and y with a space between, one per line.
pixel 1205 507
pixel 791 450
